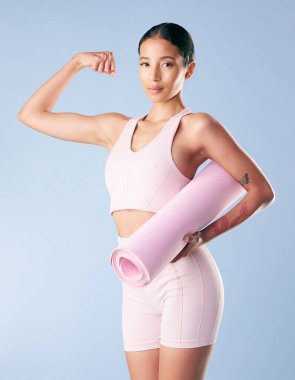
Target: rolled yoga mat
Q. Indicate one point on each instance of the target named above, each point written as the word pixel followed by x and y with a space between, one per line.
pixel 140 257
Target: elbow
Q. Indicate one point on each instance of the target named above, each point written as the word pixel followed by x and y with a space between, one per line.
pixel 270 193
pixel 267 192
pixel 269 196
pixel 272 197
pixel 20 117
pixel 266 195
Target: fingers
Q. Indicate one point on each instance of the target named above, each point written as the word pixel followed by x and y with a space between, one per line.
pixel 184 252
pixel 194 238
pixel 104 63
pixel 100 68
pixel 113 65
pixel 94 65
pixel 180 255
pixel 184 249
pixel 107 65
pixel 108 60
pixel 190 238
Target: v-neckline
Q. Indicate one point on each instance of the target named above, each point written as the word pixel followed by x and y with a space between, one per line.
pixel 155 137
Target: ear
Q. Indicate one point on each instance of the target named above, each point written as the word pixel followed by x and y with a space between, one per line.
pixel 190 69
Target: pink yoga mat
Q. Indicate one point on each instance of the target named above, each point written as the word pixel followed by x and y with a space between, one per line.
pixel 141 257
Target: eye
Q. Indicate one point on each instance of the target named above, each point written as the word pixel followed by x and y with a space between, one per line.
pixel 166 63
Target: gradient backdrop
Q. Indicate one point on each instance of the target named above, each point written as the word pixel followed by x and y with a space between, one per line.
pixel 60 300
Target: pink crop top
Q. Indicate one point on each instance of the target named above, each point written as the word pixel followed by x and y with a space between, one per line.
pixel 148 178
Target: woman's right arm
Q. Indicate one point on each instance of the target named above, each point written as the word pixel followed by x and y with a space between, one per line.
pixel 96 129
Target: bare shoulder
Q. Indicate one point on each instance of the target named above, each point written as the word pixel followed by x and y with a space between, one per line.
pixel 198 120
pixel 113 118
pixel 205 133
pixel 113 123
pixel 207 126
pixel 211 139
pixel 193 123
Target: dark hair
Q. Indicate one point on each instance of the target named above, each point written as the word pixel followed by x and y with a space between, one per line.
pixel 175 34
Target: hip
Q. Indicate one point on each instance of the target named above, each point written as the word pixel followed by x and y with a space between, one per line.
pixel 194 274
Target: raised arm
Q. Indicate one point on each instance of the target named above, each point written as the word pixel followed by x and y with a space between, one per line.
pixel 94 129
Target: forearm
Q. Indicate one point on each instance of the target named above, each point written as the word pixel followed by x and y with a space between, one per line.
pixel 46 96
pixel 252 203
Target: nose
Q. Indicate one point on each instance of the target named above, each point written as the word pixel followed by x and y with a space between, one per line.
pixel 155 74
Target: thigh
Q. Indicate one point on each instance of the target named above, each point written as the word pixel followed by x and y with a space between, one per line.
pixel 141 320
pixel 183 363
pixel 143 365
pixel 194 301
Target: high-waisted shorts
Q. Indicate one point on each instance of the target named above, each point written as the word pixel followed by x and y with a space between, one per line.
pixel 181 307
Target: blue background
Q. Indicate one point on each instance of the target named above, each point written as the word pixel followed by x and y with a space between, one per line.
pixel 60 315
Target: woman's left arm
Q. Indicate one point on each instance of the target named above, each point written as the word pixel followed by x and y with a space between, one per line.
pixel 218 144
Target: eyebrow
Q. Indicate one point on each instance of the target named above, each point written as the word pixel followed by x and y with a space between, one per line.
pixel 164 57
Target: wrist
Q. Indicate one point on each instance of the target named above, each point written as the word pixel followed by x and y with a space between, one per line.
pixel 204 236
pixel 76 63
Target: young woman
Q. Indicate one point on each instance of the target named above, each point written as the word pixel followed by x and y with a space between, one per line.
pixel 171 325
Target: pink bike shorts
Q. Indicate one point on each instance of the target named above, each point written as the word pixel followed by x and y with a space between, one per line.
pixel 182 307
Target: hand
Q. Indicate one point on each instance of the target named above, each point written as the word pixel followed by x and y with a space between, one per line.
pixel 194 240
pixel 102 61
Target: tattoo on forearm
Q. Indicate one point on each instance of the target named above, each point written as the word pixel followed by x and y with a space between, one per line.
pixel 220 226
pixel 244 212
pixel 244 180
pixel 223 223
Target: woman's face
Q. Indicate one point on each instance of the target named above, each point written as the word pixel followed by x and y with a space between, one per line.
pixel 156 69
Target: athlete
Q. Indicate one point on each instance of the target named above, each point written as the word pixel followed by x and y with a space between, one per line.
pixel 170 326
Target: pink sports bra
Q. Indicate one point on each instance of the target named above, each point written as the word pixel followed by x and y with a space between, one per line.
pixel 148 178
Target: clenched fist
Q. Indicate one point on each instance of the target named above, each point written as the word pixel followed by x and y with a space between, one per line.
pixel 102 62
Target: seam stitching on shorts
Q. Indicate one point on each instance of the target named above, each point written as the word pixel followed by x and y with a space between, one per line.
pixel 165 287
pixel 178 278
pixel 196 264
pixel 218 310
pixel 219 286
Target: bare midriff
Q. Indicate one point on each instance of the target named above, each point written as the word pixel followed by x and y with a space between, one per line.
pixel 128 221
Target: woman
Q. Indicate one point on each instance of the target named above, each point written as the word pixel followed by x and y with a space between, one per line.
pixel 171 325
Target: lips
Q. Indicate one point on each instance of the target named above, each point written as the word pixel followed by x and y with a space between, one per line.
pixel 155 90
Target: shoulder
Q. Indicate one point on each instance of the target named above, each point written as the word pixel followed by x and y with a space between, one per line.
pixel 204 123
pixel 114 118
pixel 200 120
pixel 196 123
pixel 118 121
pixel 114 123
pixel 200 128
pixel 209 137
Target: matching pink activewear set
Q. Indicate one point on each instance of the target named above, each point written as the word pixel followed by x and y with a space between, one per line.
pixel 183 306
